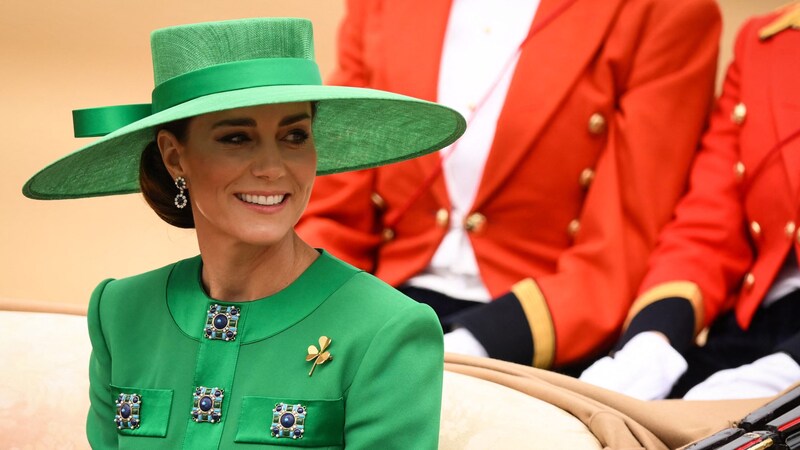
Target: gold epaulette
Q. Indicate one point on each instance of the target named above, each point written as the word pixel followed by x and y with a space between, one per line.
pixel 790 18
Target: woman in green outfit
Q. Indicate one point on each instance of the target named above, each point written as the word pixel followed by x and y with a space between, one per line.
pixel 261 339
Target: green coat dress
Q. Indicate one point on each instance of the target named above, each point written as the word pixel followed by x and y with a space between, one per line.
pixel 155 372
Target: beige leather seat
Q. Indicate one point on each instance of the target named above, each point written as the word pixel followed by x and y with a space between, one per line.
pixel 479 414
pixel 44 382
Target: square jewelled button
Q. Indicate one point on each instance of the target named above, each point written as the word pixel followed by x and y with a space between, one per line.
pixel 128 406
pixel 288 421
pixel 207 404
pixel 222 322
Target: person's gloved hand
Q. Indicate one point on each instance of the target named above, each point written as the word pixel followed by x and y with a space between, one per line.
pixel 764 377
pixel 645 368
pixel 462 341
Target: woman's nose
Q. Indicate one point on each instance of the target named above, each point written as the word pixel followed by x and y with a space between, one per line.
pixel 268 162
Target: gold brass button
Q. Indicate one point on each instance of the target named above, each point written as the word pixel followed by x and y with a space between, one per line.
pixel 573 227
pixel 755 227
pixel 790 228
pixel 738 170
pixel 739 113
pixel 586 178
pixel 378 201
pixel 387 234
pixel 475 222
pixel 442 217
pixel 749 281
pixel 597 123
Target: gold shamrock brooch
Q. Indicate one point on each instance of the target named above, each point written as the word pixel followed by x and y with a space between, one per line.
pixel 319 356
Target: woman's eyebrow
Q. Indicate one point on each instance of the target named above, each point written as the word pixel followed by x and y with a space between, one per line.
pixel 247 122
pixel 288 120
pixel 238 122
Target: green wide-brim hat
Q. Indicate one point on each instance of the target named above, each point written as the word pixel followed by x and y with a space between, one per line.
pixel 208 67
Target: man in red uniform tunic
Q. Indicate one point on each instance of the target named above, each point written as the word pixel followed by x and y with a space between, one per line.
pixel 586 156
pixel 729 259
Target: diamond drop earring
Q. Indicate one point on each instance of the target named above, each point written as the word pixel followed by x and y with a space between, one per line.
pixel 180 199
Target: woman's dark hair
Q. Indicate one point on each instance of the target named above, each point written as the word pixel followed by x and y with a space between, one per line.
pixel 157 184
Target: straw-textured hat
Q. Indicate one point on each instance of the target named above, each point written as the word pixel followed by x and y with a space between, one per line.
pixel 208 67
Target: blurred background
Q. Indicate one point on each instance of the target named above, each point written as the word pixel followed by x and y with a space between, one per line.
pixel 60 56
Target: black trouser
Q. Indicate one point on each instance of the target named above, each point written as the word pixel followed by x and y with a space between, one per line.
pixel 729 346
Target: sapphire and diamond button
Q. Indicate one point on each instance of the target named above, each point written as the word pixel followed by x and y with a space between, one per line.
pixel 288 421
pixel 128 407
pixel 206 403
pixel 207 406
pixel 222 322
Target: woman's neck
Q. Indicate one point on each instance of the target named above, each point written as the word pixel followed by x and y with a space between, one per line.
pixel 242 272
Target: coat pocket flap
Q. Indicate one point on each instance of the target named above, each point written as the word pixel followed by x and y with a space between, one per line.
pixel 141 412
pixel 292 421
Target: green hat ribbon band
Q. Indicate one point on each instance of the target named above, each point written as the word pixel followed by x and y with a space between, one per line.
pixel 235 75
pixel 92 122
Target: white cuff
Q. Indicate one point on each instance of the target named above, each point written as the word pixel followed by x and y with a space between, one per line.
pixel 764 377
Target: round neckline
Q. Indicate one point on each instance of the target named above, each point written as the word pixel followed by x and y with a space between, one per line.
pixel 188 303
pixel 199 281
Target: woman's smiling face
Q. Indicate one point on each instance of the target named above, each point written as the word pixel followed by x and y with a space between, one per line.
pixel 249 171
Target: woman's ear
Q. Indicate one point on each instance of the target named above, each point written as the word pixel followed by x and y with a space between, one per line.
pixel 171 150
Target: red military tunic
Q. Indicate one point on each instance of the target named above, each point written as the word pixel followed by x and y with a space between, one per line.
pixel 590 156
pixel 735 228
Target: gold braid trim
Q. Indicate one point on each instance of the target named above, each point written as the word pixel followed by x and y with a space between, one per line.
pixel 789 19
pixel 539 319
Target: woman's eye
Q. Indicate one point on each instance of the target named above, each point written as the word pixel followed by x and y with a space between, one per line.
pixel 297 137
pixel 234 138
